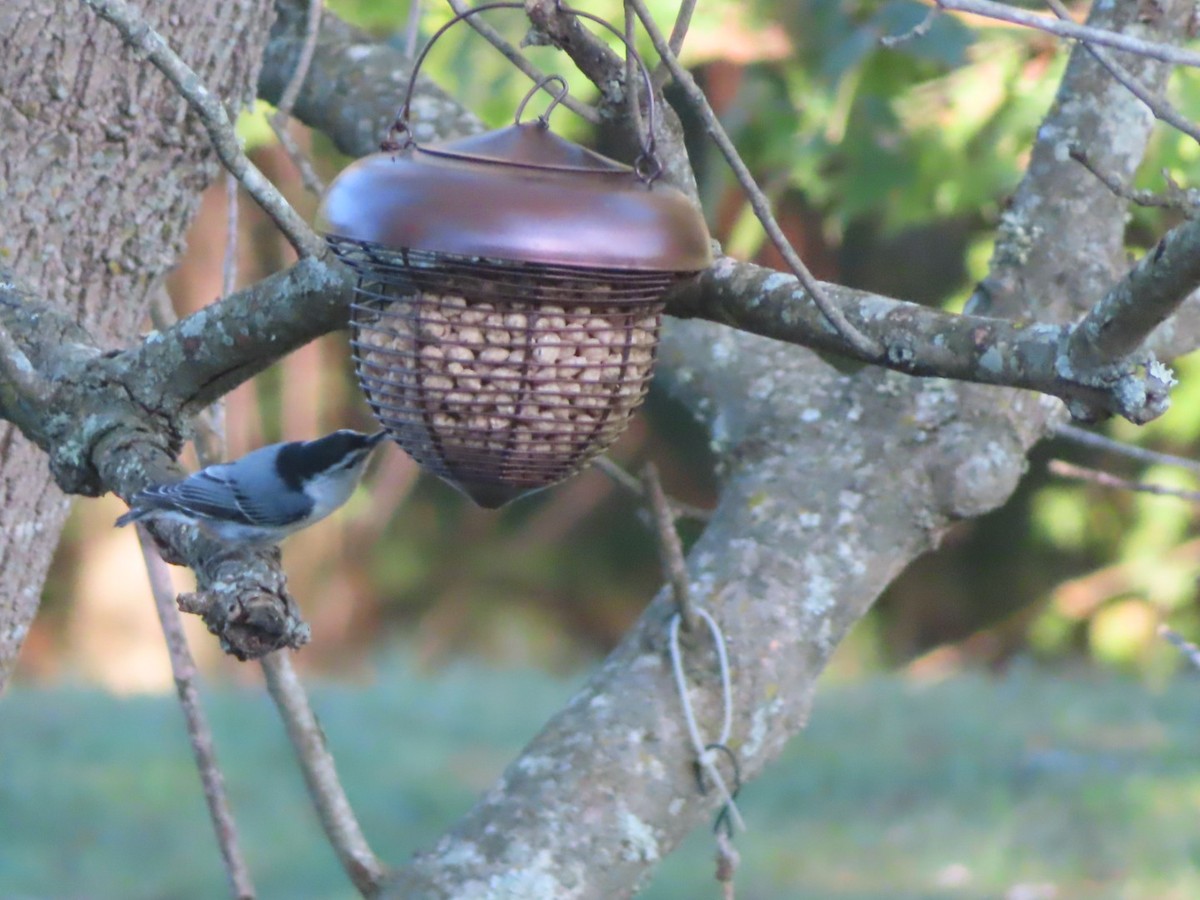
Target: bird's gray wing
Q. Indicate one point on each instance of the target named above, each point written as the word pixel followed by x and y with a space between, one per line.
pixel 211 494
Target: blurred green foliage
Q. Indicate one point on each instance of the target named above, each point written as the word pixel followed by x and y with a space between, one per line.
pixel 969 788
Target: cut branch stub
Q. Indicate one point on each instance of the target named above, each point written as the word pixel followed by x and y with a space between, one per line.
pixel 508 300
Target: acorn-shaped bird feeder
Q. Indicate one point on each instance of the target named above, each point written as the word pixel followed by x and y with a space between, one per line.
pixel 509 294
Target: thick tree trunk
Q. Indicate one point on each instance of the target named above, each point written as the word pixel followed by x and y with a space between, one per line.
pixel 101 176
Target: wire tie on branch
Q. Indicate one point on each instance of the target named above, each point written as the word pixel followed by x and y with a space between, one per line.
pixel 723 822
pixel 708 752
pixel 686 617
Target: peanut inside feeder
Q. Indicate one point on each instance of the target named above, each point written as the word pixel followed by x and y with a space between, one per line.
pixel 508 300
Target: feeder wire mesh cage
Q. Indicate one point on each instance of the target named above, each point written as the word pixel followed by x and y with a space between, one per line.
pixel 509 295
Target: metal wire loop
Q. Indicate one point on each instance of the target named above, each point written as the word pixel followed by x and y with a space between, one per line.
pixel 646 171
pixel 556 97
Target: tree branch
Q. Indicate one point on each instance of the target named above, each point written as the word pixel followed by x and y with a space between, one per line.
pixel 858 342
pixel 1064 469
pixel 1101 442
pixel 864 472
pixel 1067 29
pixel 683 20
pixel 279 121
pixel 354 84
pixel 517 58
pixel 920 340
pixel 566 31
pixel 216 122
pixel 320 774
pixel 177 372
pixel 606 70
pixel 103 433
pixel 210 352
pixel 1162 109
pixel 1151 291
pixel 199 733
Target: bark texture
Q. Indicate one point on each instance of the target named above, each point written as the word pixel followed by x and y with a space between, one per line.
pixel 101 176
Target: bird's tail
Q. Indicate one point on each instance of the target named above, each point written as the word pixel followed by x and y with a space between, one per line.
pixel 135 513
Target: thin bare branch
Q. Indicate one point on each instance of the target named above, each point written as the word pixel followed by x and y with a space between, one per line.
pixel 633 75
pixel 917 31
pixel 279 121
pixel 631 483
pixel 862 344
pixel 211 112
pixel 670 549
pixel 199 733
pixel 683 21
pixel 1159 105
pixel 312 30
pixel 1186 647
pixel 320 774
pixel 209 426
pixel 1177 198
pixel 728 860
pixel 1081 473
pixel 517 58
pixel 412 28
pixel 1071 30
pixel 229 266
pixel 1101 442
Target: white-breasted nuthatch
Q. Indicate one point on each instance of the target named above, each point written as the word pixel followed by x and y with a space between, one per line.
pixel 267 494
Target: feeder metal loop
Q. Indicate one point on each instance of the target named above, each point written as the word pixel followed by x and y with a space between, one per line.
pixel 647 172
pixel 557 97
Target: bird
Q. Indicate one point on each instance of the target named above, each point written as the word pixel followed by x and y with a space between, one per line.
pixel 267 494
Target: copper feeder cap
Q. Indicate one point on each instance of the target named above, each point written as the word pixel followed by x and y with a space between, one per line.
pixel 520 193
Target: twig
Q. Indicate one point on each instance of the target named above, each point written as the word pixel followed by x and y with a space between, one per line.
pixel 758 202
pixel 184 669
pixel 633 77
pixel 320 774
pixel 229 266
pixel 728 860
pixel 211 112
pixel 683 21
pixel 1081 473
pixel 517 58
pixel 1071 30
pixel 1151 291
pixel 279 121
pixel 1100 441
pixel 1176 198
pixel 631 483
pixel 1186 647
pixel 553 20
pixel 412 28
pixel 670 550
pixel 210 437
pixel 917 31
pixel 1158 105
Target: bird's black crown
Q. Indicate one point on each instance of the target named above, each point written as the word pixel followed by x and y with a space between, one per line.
pixel 300 461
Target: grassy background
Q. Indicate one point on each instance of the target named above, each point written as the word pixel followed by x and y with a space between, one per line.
pixel 1032 785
